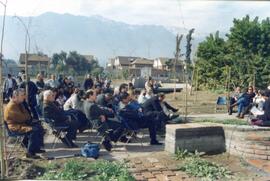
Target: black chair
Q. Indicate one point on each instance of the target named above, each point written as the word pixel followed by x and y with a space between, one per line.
pixel 18 139
pixel 130 131
pixel 59 131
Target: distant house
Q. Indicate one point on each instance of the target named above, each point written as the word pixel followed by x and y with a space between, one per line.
pixel 110 64
pixel 38 63
pixel 161 64
pixel 142 62
pixel 123 62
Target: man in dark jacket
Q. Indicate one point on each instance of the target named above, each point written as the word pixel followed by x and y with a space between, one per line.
pixel 105 100
pixel 88 83
pixel 32 96
pixel 52 111
pixel 153 107
pixel 135 118
pixel 103 116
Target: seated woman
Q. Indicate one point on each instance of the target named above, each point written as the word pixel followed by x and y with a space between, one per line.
pixel 244 101
pixel 263 120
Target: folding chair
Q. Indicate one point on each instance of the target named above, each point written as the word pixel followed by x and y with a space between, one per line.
pixel 59 132
pixel 18 136
pixel 221 101
pixel 130 131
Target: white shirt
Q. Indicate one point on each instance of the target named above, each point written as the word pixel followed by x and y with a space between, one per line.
pixel 10 83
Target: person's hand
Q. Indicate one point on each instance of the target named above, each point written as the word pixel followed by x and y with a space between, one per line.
pixel 102 118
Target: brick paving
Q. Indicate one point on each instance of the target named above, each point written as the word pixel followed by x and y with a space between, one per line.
pixel 156 169
pixel 260 164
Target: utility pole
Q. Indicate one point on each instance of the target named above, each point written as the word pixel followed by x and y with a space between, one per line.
pixel 177 54
pixel 2 131
pixel 27 50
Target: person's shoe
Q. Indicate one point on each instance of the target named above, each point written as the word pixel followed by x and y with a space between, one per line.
pixel 32 156
pixel 73 145
pixel 107 144
pixel 238 116
pixel 124 139
pixel 67 142
pixel 241 116
pixel 40 151
pixel 155 142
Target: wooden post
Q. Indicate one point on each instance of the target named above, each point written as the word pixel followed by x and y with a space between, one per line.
pixel 196 84
pixel 4 169
pixel 177 54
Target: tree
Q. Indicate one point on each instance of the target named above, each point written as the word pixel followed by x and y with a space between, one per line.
pixel 246 51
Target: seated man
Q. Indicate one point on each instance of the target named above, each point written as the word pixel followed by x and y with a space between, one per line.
pixel 244 102
pixel 105 100
pixel 263 120
pixel 19 121
pixel 101 114
pixel 133 114
pixel 157 106
pixel 52 111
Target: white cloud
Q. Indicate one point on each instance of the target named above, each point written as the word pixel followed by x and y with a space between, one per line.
pixel 204 16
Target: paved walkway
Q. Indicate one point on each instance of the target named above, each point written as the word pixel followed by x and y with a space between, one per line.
pixel 146 162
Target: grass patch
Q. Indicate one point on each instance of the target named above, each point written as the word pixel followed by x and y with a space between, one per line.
pixel 84 170
pixel 202 168
pixel 226 121
pixel 106 170
pixel 198 167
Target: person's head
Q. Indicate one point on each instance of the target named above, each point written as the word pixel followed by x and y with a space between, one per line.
pixel 91 95
pixel 9 75
pixel 124 98
pixel 48 96
pixel 238 89
pixel 76 90
pixel 108 97
pixel 265 94
pixel 39 77
pixel 18 96
pixel 161 97
pixel 53 77
pixel 81 94
pixel 123 88
pixel 54 91
pixel 88 76
pixel 250 89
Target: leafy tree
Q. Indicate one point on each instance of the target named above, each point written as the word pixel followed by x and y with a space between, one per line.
pixel 246 51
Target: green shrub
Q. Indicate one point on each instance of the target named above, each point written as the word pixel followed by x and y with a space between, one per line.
pixel 201 168
pixel 73 170
pixel 111 171
pixel 181 154
pixel 79 170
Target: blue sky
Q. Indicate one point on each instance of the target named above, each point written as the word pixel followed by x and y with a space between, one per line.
pixel 204 16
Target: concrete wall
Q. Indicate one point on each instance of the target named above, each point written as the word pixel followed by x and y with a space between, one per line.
pixel 244 141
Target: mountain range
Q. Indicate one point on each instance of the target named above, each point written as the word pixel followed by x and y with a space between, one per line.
pixel 95 35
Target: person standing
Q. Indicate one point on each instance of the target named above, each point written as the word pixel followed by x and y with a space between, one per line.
pixel 88 83
pixel 10 84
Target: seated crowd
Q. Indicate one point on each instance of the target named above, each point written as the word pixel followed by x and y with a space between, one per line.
pixel 97 106
pixel 248 99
